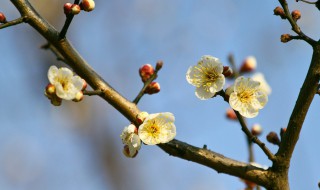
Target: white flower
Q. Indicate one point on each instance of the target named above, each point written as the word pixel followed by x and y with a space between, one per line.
pixel 206 76
pixel 157 128
pixel 67 85
pixel 247 97
pixel 263 83
pixel 131 139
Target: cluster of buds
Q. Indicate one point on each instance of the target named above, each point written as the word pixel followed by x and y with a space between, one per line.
pixel 2 18
pixel 249 64
pixel 74 9
pixel 145 72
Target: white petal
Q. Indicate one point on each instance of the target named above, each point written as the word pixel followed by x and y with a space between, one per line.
pixel 203 94
pixel 52 73
pixel 191 73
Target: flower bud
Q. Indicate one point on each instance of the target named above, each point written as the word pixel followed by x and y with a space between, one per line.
pixel 285 38
pixel 50 90
pixel 249 64
pixel 142 116
pixel 249 184
pixel 126 152
pixel 145 72
pixel 55 100
pixel 159 65
pixel 279 12
pixel 296 15
pixel 84 85
pixel 67 8
pixel 256 130
pixel 227 71
pixel 152 88
pixel 79 97
pixel 273 138
pixel 2 18
pixel 230 114
pixel 75 9
pixel 87 5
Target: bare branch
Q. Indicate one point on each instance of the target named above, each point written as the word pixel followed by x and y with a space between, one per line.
pixel 216 161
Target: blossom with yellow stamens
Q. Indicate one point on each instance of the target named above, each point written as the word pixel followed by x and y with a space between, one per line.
pixel 206 76
pixel 247 97
pixel 157 128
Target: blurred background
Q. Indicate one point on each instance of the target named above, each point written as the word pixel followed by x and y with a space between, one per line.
pixel 77 146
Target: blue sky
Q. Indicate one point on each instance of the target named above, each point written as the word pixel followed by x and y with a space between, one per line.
pixel 77 145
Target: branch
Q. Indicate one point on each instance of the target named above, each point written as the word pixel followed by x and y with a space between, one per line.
pixel 306 95
pixel 130 110
pixel 216 161
pixel 67 23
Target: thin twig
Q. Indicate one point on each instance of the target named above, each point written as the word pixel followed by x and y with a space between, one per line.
pixel 246 130
pixel 14 22
pixel 308 2
pixel 233 65
pixel 145 86
pixel 67 23
pixel 294 24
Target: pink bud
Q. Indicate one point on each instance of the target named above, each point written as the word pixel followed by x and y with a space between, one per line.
pixel 2 18
pixel 87 5
pixel 153 88
pixel 227 71
pixel 67 8
pixel 278 11
pixel 75 9
pixel 142 116
pixel 296 15
pixel 146 71
pixel 84 86
pixel 230 114
pixel 249 64
pixel 256 130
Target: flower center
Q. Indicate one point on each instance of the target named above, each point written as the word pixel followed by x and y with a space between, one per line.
pixel 245 96
pixel 153 129
pixel 205 77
